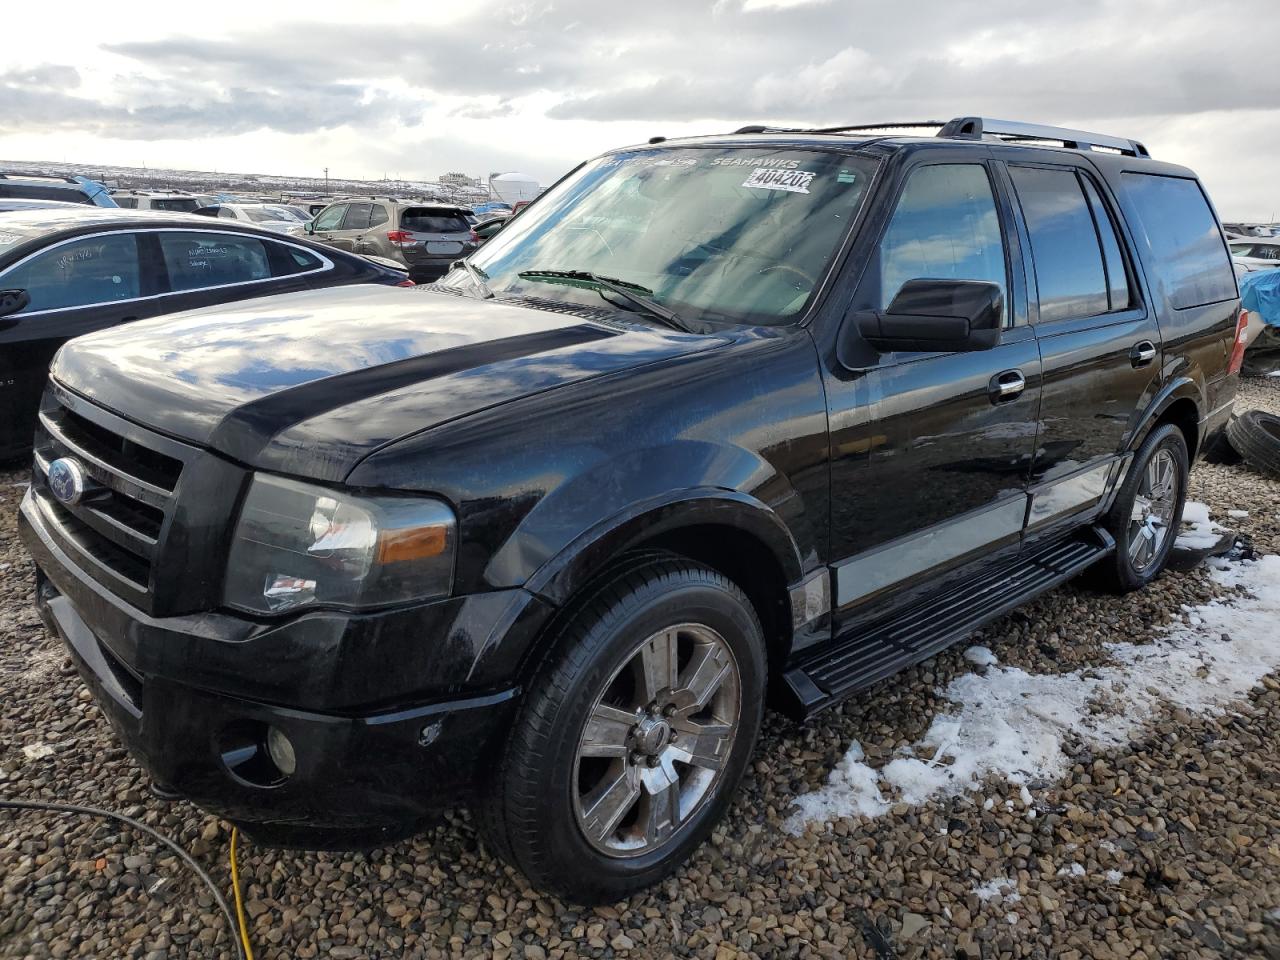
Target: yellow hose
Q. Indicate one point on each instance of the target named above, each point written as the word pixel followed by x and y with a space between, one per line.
pixel 235 886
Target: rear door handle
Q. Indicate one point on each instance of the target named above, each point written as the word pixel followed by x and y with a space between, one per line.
pixel 1143 352
pixel 1007 386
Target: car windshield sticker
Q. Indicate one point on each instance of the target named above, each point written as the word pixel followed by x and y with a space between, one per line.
pixel 846 176
pixel 771 178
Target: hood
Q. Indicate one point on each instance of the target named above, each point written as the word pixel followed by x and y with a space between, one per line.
pixel 310 383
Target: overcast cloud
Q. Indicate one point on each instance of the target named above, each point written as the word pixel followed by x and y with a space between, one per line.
pixel 383 87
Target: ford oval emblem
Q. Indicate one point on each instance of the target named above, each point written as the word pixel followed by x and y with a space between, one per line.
pixel 66 480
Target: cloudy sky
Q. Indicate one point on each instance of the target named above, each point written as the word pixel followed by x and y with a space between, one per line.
pixel 412 89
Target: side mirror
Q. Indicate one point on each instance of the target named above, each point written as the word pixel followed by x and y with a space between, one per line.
pixel 309 227
pixel 937 315
pixel 12 301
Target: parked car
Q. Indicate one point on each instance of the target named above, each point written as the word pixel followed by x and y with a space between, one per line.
pixel 68 271
pixel 157 200
pixel 268 216
pixel 68 189
pixel 779 411
pixel 425 237
pixel 487 229
pixel 1256 254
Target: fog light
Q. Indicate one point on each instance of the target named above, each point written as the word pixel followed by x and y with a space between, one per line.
pixel 281 751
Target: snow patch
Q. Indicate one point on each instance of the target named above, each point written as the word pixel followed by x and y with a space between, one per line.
pixel 1072 870
pixel 37 751
pixel 981 656
pixel 1238 514
pixel 1011 724
pixel 1114 876
pixel 1199 532
pixel 1003 887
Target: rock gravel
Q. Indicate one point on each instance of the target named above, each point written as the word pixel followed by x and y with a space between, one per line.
pixel 1169 847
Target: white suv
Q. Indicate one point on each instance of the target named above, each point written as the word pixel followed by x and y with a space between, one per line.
pixel 157 200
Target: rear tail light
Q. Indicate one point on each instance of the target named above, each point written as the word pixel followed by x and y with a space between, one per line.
pixel 1237 352
pixel 406 283
pixel 401 238
pixel 475 237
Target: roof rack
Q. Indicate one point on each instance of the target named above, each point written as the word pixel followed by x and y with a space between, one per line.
pixel 18 175
pixel 975 128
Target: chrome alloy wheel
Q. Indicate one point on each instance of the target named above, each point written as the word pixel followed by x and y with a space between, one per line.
pixel 1153 505
pixel 657 740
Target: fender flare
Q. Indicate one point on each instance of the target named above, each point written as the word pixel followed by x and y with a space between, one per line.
pixel 558 578
pixel 1178 388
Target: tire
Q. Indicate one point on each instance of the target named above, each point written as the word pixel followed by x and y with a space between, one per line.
pixel 1256 434
pixel 546 810
pixel 1123 572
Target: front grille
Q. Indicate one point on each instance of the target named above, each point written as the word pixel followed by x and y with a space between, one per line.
pixel 117 530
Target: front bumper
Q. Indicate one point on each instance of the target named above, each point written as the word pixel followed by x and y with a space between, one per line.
pixel 193 696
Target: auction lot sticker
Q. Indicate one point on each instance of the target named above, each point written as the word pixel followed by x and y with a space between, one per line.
pixel 771 178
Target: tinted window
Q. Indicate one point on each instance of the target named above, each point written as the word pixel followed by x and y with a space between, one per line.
pixel 1064 244
pixel 433 220
pixel 35 192
pixel 226 213
pixel 357 217
pixel 1117 276
pixel 1180 230
pixel 295 260
pixel 196 260
pixel 945 227
pixel 181 204
pixel 331 217
pixel 379 215
pixel 130 203
pixel 99 269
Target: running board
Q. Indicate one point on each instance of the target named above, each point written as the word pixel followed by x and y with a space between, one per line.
pixel 918 632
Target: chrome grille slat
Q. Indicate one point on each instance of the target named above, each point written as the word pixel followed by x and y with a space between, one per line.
pixel 104 472
pixel 55 517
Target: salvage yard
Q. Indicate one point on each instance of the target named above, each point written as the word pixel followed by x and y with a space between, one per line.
pixel 1142 820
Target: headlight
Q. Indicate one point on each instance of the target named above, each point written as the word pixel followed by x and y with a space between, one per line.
pixel 298 545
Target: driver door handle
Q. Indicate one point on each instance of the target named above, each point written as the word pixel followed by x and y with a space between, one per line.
pixel 1143 352
pixel 1007 386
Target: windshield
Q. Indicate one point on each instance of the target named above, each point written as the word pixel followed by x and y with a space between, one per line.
pixel 181 204
pixel 737 234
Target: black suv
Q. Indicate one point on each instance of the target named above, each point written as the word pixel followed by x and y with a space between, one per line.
pixel 782 411
pixel 29 186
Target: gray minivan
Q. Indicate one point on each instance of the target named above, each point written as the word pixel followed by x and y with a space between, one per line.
pixel 426 237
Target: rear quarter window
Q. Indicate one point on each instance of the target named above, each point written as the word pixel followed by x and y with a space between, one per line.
pixel 1186 248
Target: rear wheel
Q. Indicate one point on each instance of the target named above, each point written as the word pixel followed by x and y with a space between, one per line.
pixel 634 734
pixel 1148 511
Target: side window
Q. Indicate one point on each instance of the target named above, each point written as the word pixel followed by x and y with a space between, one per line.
pixel 1183 236
pixel 379 215
pixel 130 203
pixel 102 269
pixel 226 213
pixel 330 218
pixel 286 260
pixel 945 227
pixel 357 217
pixel 1118 291
pixel 1064 244
pixel 197 260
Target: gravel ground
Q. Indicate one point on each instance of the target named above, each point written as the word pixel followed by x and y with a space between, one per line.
pixel 1186 820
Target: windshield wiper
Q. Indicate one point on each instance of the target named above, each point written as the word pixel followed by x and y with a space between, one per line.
pixel 478 277
pixel 633 293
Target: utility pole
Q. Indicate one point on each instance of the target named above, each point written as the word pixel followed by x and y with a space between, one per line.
pixel 326 181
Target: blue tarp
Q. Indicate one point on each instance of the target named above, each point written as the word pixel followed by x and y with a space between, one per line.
pixel 1260 294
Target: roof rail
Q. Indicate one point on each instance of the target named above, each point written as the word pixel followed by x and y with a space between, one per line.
pixel 903 125
pixel 18 175
pixel 975 128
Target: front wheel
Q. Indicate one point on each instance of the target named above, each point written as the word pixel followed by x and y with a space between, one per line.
pixel 1147 514
pixel 634 734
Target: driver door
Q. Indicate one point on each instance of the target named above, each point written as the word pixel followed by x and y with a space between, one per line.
pixel 931 452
